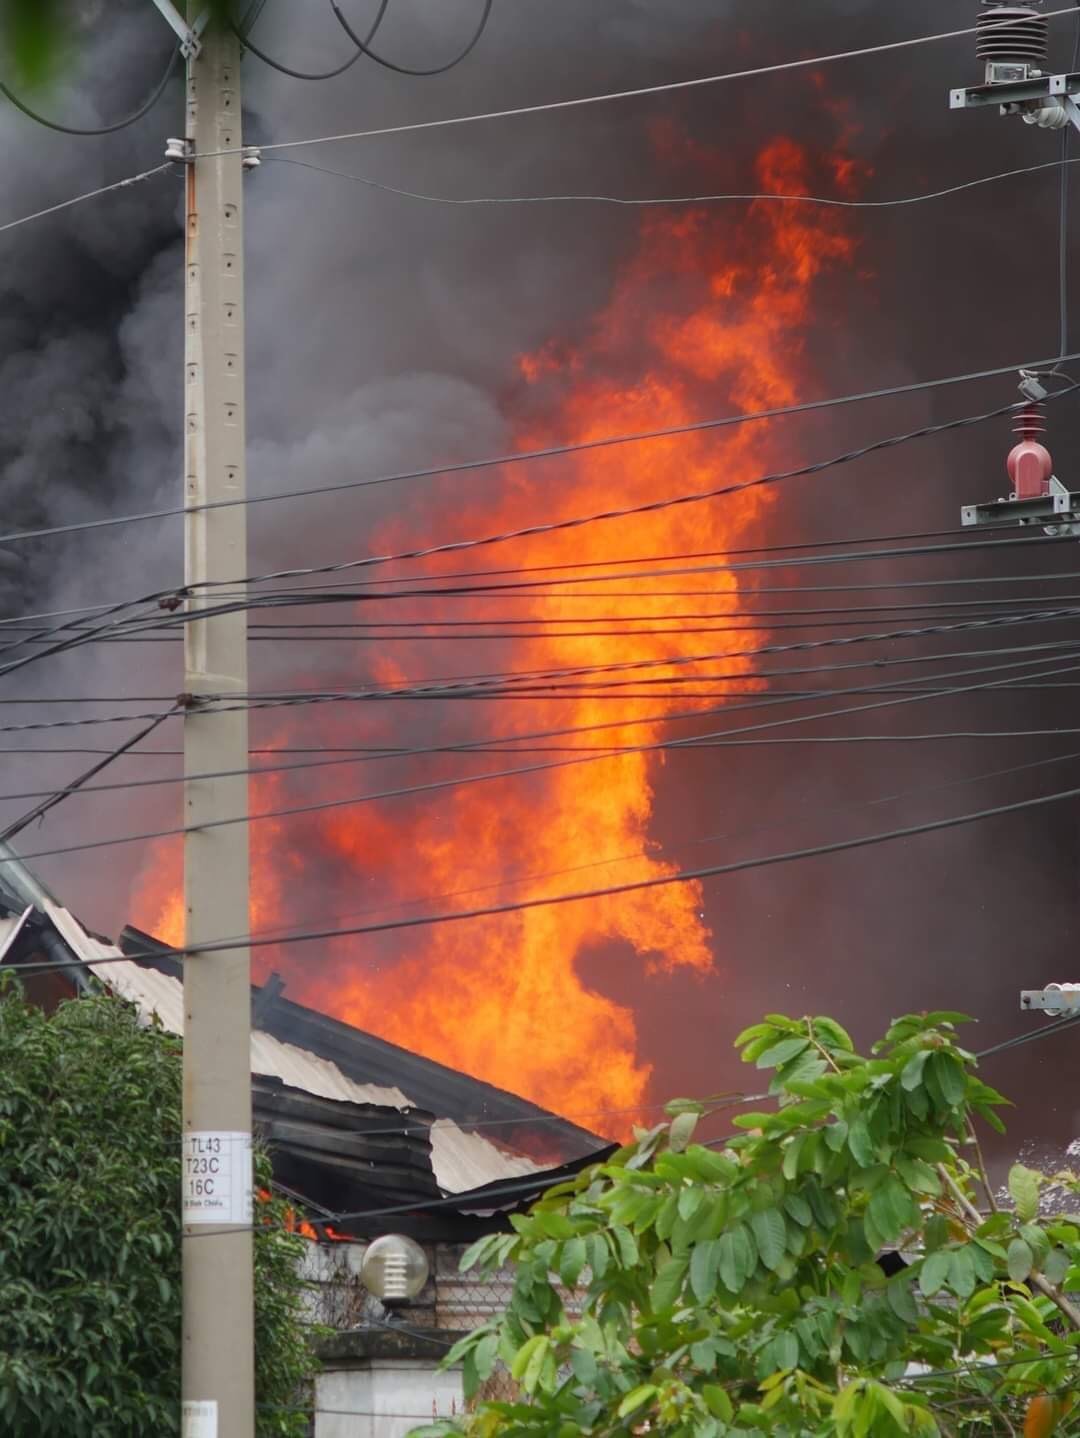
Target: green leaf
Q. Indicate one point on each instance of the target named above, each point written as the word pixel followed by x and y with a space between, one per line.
pixel 962 1272
pixel 1024 1188
pixel 833 1035
pixel 667 1285
pixel 735 1260
pixel 770 1234
pixel 524 1355
pixel 1056 1265
pixel 476 1252
pixel 718 1402
pixel 946 1016
pixel 890 1209
pixel 911 1075
pixel 626 1245
pixel 836 1135
pixel 689 1201
pixel 797 1208
pixel 900 1298
pixel 934 1272
pixel 945 1079
pixel 484 1355
pixel 704 1267
pixel 860 1143
pixel 790 1166
pixel 636 1398
pixel 599 1255
pixel 572 1260
pixel 785 1350
pixel 681 1131
pixel 780 1053
pixel 534 1370
pixel 1020 1260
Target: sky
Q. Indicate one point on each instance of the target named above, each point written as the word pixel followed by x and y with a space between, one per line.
pixel 386 333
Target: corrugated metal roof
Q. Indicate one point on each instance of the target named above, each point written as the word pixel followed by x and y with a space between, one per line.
pixel 11 927
pixel 461 1161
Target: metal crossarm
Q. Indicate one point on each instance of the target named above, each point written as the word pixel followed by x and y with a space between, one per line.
pixel 190 44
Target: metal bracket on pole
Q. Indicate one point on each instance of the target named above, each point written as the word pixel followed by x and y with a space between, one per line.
pixel 1054 1000
pixel 1005 93
pixel 190 44
pixel 1069 105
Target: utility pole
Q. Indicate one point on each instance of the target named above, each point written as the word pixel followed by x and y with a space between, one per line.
pixel 218 1309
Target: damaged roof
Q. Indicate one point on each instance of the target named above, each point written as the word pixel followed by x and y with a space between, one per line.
pixel 329 1099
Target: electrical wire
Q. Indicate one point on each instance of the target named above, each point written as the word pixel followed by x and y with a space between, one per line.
pixel 649 720
pixel 413 688
pixel 608 891
pixel 515 880
pixel 472 684
pixel 243 34
pixel 375 752
pixel 784 67
pixel 76 785
pixel 1063 213
pixel 706 741
pixel 649 507
pixel 549 452
pixel 136 115
pixel 652 201
pixel 435 785
pixel 90 195
pixel 364 45
pixel 1030 1036
pixel 322 595
pixel 813 618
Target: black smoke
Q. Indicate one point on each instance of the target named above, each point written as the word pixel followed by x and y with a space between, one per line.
pixel 382 335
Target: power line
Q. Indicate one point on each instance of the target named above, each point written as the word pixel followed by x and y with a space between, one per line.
pixel 470 683
pixel 462 54
pixel 325 595
pixel 757 619
pixel 51 801
pixel 652 201
pixel 483 747
pixel 903 688
pixel 134 625
pixel 131 119
pixel 651 506
pixel 90 195
pixel 1063 215
pixel 1030 1036
pixel 243 34
pixel 608 891
pixel 375 752
pixel 810 62
pixel 515 880
pixel 434 785
pixel 549 452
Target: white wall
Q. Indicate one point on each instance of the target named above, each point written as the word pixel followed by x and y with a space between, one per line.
pixel 384 1399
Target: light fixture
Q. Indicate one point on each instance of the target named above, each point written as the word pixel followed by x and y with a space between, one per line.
pixel 394 1268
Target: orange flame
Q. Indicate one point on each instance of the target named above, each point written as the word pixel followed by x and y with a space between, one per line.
pixel 709 314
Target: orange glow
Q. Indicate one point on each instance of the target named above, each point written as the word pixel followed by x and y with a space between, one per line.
pixel 710 314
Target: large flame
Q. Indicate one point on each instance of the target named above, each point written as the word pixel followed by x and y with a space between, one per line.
pixel 710 313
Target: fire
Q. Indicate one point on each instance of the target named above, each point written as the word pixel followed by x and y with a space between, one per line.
pixel 710 314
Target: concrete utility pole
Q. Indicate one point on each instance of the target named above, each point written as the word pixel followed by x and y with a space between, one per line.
pixel 218 1323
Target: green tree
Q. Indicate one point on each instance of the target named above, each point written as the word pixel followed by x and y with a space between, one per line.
pixel 736 1290
pixel 90 1234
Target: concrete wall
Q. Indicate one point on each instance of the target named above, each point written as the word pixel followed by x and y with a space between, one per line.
pixel 383 1397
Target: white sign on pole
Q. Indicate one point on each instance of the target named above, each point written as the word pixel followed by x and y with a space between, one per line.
pixel 199 1419
pixel 217 1178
